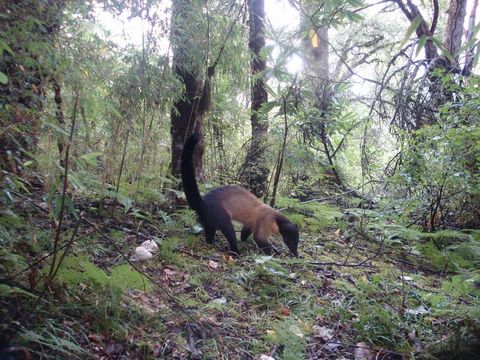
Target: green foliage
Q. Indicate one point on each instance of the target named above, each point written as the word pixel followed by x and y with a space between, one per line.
pixel 10 262
pixel 125 277
pixel 7 291
pixel 313 215
pixel 78 269
pixel 267 279
pixel 378 325
pixel 55 336
pixel 166 249
pixel 289 334
pixel 439 165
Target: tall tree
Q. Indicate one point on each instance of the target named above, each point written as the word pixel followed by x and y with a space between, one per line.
pixel 255 171
pixel 315 45
pixel 188 58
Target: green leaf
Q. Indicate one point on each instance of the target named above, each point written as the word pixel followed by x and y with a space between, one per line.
pixel 125 277
pixel 3 78
pixel 355 3
pixel 472 41
pixel 4 47
pixel 476 57
pixel 7 291
pixel 421 44
pixel 267 106
pixel 411 29
pixel 353 16
pixel 90 158
pixel 57 128
pixel 445 52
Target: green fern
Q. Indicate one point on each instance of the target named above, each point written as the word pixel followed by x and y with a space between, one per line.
pixel 125 277
pixel 315 215
pixel 78 269
pixel 7 291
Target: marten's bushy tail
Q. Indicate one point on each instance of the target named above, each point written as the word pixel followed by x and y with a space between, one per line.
pixel 188 174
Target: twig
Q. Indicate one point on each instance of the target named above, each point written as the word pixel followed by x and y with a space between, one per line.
pixel 68 245
pixel 332 197
pixel 361 264
pixel 192 348
pixel 64 191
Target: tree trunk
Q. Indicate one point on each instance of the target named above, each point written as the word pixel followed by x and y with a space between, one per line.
pixel 188 111
pixel 255 171
pixel 467 69
pixel 454 31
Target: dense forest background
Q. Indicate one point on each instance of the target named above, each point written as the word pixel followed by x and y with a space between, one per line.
pixel 359 120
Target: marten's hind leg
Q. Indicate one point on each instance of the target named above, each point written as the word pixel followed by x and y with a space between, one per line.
pixel 246 232
pixel 209 234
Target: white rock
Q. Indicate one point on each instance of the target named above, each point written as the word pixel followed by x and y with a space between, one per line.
pixel 221 300
pixel 150 245
pixel 265 357
pixel 141 254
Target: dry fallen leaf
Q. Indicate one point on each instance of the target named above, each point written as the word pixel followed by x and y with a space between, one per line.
pixel 322 332
pixel 363 352
pixel 169 272
pixel 228 258
pixel 284 311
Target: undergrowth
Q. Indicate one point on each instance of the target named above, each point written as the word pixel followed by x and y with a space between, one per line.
pixel 416 295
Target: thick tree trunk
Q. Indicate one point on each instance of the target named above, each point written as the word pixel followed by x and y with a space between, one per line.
pixel 188 111
pixel 255 171
pixel 454 31
pixel 467 69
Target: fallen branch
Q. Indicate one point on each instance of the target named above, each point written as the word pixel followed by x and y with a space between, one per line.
pixel 361 264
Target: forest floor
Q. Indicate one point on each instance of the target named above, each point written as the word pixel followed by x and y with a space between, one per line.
pixel 349 296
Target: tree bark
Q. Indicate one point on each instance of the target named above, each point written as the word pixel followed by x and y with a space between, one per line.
pixel 467 69
pixel 188 111
pixel 412 12
pixel 454 31
pixel 255 171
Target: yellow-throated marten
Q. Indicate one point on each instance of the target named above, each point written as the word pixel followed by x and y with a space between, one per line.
pixel 220 206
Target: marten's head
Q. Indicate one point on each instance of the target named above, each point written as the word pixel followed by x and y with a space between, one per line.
pixel 290 235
